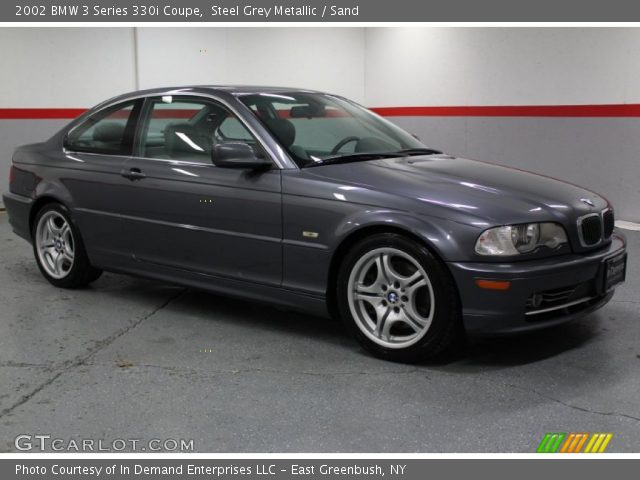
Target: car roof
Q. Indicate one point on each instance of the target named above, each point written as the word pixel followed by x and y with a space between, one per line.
pixel 225 89
pixel 247 89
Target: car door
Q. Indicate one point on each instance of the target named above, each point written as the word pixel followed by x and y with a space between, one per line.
pixel 95 153
pixel 183 212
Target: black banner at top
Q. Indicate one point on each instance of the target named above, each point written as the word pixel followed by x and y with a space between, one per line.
pixel 218 11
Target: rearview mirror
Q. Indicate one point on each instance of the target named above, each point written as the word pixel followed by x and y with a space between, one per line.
pixel 237 155
pixel 307 111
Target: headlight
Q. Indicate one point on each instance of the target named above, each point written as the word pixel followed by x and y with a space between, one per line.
pixel 517 239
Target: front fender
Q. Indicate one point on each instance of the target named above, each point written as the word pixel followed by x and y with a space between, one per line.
pixel 448 239
pixel 309 261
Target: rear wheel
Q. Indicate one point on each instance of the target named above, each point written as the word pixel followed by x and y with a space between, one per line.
pixel 398 299
pixel 59 250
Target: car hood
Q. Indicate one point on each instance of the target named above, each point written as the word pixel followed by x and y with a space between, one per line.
pixel 466 190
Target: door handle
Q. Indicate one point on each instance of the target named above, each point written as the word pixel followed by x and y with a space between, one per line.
pixel 133 174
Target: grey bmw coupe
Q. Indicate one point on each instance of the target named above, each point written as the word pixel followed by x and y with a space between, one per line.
pixel 310 201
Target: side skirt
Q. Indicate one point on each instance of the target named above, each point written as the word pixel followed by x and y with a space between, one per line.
pixel 277 296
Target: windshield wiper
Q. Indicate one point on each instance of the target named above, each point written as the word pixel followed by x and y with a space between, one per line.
pixel 353 157
pixel 417 151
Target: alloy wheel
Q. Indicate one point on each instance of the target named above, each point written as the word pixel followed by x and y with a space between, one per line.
pixel 55 244
pixel 391 297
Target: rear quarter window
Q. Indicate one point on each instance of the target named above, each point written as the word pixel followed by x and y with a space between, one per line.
pixel 108 131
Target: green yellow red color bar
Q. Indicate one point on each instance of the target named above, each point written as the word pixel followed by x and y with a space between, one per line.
pixel 574 442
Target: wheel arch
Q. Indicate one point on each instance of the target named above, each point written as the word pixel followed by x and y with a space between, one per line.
pixel 38 204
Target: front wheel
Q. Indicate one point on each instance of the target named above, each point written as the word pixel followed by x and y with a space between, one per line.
pixel 59 250
pixel 398 299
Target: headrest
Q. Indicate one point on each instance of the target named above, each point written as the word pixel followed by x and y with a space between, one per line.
pixel 108 132
pixel 283 130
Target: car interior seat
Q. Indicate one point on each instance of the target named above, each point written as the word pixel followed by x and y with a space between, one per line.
pixel 108 135
pixel 285 132
pixel 184 141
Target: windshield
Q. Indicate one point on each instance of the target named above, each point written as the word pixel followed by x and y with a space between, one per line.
pixel 317 129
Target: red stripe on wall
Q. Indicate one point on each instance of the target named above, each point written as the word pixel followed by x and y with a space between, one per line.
pixel 620 110
pixel 70 113
pixel 613 110
pixel 170 113
pixel 40 113
pixel 327 113
pixel 183 113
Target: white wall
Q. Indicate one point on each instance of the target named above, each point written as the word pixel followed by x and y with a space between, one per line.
pixel 64 67
pixel 79 67
pixel 501 66
pixel 329 59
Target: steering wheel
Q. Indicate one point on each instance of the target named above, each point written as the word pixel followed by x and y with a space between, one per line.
pixel 342 143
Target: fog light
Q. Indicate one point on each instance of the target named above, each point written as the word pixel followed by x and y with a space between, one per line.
pixel 536 300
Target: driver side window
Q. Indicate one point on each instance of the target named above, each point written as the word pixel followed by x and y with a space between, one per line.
pixel 231 129
pixel 187 128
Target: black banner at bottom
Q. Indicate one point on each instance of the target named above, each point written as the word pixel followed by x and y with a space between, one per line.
pixel 314 468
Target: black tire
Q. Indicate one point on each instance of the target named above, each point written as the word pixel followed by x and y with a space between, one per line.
pixel 80 273
pixel 445 326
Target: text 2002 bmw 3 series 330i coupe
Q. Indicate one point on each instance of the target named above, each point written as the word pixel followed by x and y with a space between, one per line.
pixel 310 201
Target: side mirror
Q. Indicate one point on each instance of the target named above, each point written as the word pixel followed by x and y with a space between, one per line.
pixel 237 155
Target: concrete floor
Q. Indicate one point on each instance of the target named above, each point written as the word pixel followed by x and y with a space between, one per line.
pixel 130 358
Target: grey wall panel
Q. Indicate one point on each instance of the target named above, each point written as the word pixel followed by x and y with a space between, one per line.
pixel 602 154
pixel 19 132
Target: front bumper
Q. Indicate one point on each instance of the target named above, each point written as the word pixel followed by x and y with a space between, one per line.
pixel 576 281
pixel 18 209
